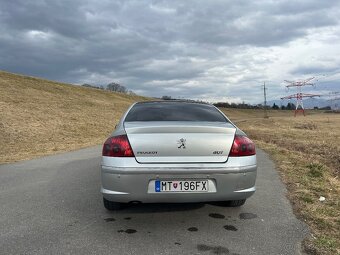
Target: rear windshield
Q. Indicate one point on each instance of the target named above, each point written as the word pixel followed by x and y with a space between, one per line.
pixel 174 111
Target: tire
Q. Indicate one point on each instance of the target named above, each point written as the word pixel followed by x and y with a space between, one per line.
pixel 236 203
pixel 112 206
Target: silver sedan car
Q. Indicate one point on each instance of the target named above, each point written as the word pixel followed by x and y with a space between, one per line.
pixel 177 152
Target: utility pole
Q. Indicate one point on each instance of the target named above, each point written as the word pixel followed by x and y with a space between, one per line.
pixel 265 100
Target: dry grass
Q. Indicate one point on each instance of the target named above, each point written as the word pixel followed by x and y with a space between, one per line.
pixel 307 152
pixel 40 117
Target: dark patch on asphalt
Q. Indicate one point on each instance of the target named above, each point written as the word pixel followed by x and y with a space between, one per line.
pixel 247 216
pixel 149 232
pixel 216 216
pixel 72 224
pixel 110 219
pixel 203 247
pixel 213 249
pixel 177 243
pixel 230 227
pixel 127 218
pixel 192 229
pixel 128 231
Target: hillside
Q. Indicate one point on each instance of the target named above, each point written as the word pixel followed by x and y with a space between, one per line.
pixel 40 117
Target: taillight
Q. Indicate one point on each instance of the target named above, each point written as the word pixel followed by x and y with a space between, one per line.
pixel 242 146
pixel 117 146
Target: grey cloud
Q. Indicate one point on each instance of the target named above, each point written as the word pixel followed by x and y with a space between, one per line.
pixel 156 47
pixel 314 69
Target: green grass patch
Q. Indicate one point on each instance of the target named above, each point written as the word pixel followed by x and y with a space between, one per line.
pixel 315 170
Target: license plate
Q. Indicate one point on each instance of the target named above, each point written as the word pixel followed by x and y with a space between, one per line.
pixel 182 186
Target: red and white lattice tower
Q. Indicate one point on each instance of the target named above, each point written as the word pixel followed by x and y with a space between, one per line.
pixel 299 95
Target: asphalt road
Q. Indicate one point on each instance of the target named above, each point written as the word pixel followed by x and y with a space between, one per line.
pixel 52 205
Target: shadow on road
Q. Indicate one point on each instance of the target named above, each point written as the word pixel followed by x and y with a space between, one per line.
pixel 159 208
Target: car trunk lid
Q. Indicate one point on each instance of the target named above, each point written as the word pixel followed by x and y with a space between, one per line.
pixel 180 142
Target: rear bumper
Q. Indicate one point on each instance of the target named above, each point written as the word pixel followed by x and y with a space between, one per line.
pixel 125 185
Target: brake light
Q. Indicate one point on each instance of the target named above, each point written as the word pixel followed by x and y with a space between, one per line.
pixel 242 146
pixel 117 146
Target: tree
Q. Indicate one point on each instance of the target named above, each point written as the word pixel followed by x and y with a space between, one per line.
pixel 291 106
pixel 242 105
pixel 116 87
pixel 91 86
pixel 166 97
pixel 275 107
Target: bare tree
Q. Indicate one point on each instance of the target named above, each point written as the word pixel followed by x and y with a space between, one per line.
pixel 116 87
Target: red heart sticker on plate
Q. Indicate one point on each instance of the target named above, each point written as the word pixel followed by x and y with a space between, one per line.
pixel 175 185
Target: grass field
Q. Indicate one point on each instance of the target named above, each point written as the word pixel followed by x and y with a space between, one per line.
pixel 307 153
pixel 40 117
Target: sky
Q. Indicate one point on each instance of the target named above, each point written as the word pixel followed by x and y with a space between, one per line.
pixel 208 50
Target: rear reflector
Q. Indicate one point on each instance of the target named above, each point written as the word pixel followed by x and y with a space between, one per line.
pixel 117 146
pixel 242 146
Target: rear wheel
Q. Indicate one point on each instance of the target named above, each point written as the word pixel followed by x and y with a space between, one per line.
pixel 112 206
pixel 236 203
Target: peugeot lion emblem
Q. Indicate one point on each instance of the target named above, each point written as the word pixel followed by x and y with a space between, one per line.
pixel 181 143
